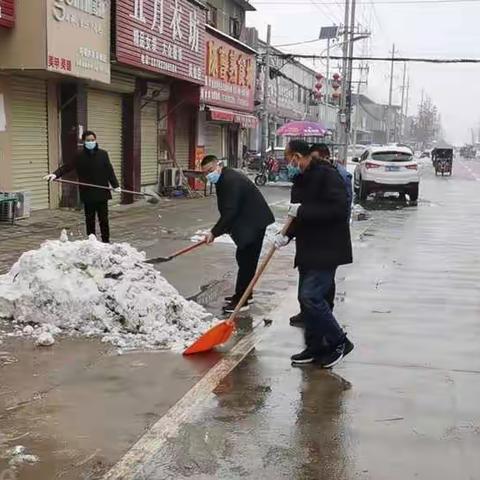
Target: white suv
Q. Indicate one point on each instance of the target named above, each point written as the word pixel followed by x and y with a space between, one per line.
pixel 386 169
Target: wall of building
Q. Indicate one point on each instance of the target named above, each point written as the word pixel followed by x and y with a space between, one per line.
pixel 5 164
pixel 227 9
pixel 29 31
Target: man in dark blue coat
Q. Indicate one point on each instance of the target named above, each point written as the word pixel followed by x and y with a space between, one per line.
pixel 322 233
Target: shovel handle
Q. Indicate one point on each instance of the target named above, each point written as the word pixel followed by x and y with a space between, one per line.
pixel 258 273
pixel 103 187
pixel 186 249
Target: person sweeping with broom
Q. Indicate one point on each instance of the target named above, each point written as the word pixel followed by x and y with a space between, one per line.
pixel 244 215
pixel 92 166
pixel 321 229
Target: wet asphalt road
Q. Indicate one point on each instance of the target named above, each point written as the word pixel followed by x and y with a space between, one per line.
pixel 404 405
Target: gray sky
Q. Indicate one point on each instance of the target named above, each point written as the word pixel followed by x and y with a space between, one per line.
pixel 448 30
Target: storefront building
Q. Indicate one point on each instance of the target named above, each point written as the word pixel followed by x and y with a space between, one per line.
pixel 44 65
pixel 161 43
pixel 227 99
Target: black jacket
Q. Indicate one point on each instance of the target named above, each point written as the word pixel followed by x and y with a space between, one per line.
pixel 92 166
pixel 322 227
pixel 244 213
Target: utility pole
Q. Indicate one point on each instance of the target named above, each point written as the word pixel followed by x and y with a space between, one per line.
pixel 402 117
pixel 390 95
pixel 407 100
pixel 342 118
pixel 266 80
pixel 327 80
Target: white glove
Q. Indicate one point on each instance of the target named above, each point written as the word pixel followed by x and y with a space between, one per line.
pixel 50 177
pixel 293 209
pixel 280 240
pixel 118 189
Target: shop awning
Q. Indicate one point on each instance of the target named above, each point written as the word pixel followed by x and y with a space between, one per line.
pixel 245 120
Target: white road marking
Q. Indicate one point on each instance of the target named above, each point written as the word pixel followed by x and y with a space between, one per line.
pixel 168 424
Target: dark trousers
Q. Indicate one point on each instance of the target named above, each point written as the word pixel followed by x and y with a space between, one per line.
pixel 322 330
pixel 247 261
pixel 100 209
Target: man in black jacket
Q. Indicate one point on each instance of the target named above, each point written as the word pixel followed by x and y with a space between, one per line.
pixel 92 165
pixel 244 215
pixel 322 234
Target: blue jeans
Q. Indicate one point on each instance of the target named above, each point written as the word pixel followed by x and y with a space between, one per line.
pixel 322 331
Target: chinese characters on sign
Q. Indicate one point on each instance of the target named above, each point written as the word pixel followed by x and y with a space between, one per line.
pixel 78 38
pixel 164 36
pixel 230 76
pixel 7 13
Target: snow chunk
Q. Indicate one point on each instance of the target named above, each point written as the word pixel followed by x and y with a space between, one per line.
pixel 94 289
pixel 45 339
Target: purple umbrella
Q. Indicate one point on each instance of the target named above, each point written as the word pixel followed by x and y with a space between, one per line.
pixel 302 129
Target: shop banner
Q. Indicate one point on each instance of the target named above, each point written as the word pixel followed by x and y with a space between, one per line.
pixel 78 38
pixel 162 36
pixel 230 76
pixel 7 13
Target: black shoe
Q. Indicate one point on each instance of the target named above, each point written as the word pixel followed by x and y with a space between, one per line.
pixel 349 346
pixel 303 358
pixel 233 298
pixel 297 320
pixel 330 359
pixel 230 307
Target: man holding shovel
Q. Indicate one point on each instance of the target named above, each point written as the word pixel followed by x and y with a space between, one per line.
pixel 92 166
pixel 244 215
pixel 321 229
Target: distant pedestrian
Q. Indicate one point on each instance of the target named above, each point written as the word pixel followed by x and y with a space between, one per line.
pixel 244 215
pixel 321 229
pixel 92 165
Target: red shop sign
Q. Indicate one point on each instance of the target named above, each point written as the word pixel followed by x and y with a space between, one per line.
pixel 162 36
pixel 7 13
pixel 230 76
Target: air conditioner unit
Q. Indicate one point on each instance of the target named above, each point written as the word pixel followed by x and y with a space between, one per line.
pixel 24 204
pixel 171 178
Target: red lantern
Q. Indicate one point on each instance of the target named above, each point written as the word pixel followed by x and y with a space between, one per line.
pixel 335 85
pixel 318 86
pixel 318 95
pixel 336 76
pixel 336 94
pixel 319 76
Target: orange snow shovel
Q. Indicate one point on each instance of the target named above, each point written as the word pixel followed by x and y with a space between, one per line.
pixel 222 332
pixel 177 253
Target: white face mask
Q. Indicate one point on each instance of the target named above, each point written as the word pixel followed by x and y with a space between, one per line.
pixel 90 145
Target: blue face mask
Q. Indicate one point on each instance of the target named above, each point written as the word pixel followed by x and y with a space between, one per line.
pixel 293 171
pixel 90 145
pixel 213 177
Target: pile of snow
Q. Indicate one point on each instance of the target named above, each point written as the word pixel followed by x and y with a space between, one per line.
pixel 18 456
pixel 94 289
pixel 272 230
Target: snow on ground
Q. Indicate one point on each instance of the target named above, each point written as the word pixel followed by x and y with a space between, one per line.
pixel 272 230
pixel 93 289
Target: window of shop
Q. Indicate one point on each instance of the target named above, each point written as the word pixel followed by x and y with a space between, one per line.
pixel 235 29
pixel 211 15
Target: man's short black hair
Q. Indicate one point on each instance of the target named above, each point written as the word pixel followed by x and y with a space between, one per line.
pixel 86 133
pixel 321 148
pixel 299 146
pixel 208 159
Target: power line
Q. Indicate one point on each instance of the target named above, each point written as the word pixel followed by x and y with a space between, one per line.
pixel 382 59
pixel 375 2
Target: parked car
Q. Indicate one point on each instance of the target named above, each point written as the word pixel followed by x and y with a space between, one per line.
pixel 386 169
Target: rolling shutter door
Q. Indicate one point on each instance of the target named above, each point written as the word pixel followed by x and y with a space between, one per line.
pixel 182 140
pixel 29 134
pixel 149 161
pixel 105 119
pixel 214 140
